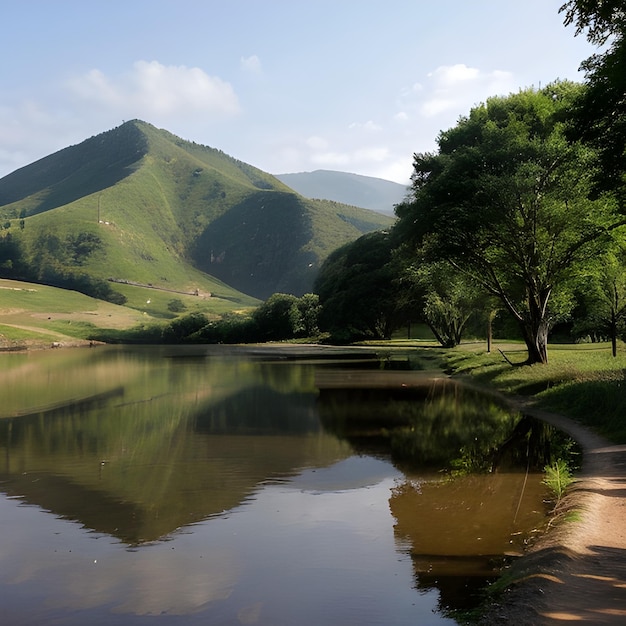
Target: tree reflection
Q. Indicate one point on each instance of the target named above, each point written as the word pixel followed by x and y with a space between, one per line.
pixel 440 425
pixel 473 496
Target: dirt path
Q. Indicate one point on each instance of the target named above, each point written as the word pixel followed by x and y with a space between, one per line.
pixel 577 573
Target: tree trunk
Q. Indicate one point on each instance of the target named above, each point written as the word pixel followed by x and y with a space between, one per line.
pixel 536 338
pixel 614 332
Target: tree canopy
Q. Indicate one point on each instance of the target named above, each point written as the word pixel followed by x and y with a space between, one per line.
pixel 506 200
pixel 356 289
pixel 599 113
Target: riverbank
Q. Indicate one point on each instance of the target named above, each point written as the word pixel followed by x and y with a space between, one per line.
pixel 576 572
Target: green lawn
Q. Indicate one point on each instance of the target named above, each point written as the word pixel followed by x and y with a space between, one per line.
pixel 582 381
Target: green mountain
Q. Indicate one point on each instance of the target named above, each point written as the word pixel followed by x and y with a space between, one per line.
pixel 367 192
pixel 141 206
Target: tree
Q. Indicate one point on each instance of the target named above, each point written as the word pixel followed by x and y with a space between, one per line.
pixel 444 298
pixel 356 289
pixel 601 20
pixel 182 328
pixel 604 294
pixel 277 318
pixel 505 200
pixel 309 309
pixel 600 111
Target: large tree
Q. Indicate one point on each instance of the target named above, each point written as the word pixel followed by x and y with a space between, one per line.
pixel 505 199
pixel 356 289
pixel 600 111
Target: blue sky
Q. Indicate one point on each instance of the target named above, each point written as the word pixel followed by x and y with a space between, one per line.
pixel 285 85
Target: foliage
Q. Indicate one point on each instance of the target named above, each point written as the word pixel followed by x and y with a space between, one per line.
pixel 176 305
pixel 356 289
pixel 283 316
pixel 600 111
pixel 307 320
pixel 558 478
pixel 505 200
pixel 444 297
pixel 601 20
pixel 183 327
pixel 603 294
pixel 277 318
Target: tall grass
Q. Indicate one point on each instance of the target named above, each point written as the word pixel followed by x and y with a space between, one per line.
pixel 558 478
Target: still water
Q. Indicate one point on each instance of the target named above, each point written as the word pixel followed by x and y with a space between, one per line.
pixel 223 486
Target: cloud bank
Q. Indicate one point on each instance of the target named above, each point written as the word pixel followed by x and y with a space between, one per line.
pixel 152 90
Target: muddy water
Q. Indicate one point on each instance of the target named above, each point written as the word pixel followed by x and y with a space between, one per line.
pixel 214 486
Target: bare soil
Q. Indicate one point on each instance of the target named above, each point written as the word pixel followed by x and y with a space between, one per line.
pixel 577 571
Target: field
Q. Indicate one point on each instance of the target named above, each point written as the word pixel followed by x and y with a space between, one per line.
pixel 34 315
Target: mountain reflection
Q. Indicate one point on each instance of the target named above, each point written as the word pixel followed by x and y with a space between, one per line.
pixel 172 446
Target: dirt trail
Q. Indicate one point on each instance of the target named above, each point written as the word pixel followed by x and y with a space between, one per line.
pixel 577 573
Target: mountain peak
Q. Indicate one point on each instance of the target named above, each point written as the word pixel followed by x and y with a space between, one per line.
pixel 157 208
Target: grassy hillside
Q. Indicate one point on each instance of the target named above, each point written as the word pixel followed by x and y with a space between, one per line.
pixel 140 205
pixel 39 314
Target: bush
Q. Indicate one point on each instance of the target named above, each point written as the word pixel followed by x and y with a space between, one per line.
pixel 181 329
pixel 176 305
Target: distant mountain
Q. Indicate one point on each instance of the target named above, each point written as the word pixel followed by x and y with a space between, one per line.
pixel 139 204
pixel 367 192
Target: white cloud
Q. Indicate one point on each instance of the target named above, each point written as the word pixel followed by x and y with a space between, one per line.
pixel 251 65
pixel 369 126
pixel 399 170
pixel 153 90
pixel 185 100
pixel 459 87
pixel 317 143
pixel 451 75
pixel 451 91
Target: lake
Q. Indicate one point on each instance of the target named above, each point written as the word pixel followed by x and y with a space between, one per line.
pixel 217 485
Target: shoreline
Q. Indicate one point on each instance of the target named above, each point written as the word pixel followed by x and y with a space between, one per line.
pixel 576 571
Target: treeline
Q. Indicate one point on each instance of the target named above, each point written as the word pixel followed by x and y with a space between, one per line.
pixel 280 317
pixel 56 260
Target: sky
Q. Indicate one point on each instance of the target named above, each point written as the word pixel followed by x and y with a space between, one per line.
pixel 285 85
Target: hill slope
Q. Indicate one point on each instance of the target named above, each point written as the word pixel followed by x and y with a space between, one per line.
pixel 141 205
pixel 367 192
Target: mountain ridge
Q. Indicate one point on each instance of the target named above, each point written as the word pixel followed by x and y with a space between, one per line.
pixel 367 192
pixel 138 203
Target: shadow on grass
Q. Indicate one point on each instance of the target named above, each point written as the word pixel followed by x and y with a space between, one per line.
pixel 599 404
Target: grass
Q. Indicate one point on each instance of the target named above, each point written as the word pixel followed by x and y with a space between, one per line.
pixel 558 478
pixel 582 381
pixel 38 314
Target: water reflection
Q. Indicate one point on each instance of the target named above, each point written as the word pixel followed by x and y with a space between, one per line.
pixel 245 490
pixel 150 445
pixel 472 496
